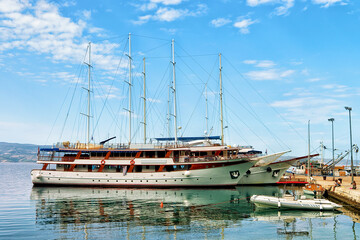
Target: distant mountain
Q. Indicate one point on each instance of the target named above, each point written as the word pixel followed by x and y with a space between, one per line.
pixel 16 152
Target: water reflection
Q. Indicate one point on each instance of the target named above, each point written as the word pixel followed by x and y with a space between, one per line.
pixel 144 206
pixel 156 213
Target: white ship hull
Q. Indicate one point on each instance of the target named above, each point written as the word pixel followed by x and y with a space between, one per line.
pixel 209 177
pixel 269 174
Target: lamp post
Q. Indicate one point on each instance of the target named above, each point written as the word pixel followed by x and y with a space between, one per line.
pixel 333 149
pixel 351 152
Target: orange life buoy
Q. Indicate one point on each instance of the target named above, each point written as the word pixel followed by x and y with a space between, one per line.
pixel 103 162
pixel 132 162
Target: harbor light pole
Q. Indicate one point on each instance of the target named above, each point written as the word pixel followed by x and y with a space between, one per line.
pixel 351 151
pixel 333 149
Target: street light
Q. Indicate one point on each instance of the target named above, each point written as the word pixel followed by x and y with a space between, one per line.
pixel 333 149
pixel 352 161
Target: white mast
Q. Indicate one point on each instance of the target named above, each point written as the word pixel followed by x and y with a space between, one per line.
pixel 89 86
pixel 168 115
pixel 129 55
pixel 174 90
pixel 221 104
pixel 88 104
pixel 308 164
pixel 144 98
pixel 206 117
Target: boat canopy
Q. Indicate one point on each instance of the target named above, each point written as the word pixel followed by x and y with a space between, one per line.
pixel 188 139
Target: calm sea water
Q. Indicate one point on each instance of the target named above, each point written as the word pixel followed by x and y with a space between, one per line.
pixel 103 213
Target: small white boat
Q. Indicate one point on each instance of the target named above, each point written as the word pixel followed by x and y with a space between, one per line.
pixel 262 201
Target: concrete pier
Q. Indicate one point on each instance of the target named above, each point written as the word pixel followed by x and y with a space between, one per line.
pixel 344 193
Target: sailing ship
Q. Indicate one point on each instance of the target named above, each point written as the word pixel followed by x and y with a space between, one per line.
pixel 179 163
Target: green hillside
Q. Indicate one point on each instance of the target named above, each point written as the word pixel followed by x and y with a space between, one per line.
pixel 16 152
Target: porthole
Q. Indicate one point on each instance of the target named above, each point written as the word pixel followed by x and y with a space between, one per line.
pixel 99 180
pixel 181 180
pixel 132 181
pixel 117 181
pixel 165 180
pixel 59 179
pixel 93 180
pixel 107 180
pixel 125 180
pixel 155 180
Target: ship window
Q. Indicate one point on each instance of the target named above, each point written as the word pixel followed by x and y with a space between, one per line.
pixel 161 154
pixel 137 169
pixel 169 168
pixel 150 154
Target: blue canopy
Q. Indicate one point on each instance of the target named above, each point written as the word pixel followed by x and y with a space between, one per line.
pixel 188 139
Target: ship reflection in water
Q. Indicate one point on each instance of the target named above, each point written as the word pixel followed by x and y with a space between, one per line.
pixel 158 213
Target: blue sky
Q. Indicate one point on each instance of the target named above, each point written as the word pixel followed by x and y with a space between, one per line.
pixel 284 62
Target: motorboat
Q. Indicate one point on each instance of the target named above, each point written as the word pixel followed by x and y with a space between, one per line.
pixel 313 189
pixel 262 201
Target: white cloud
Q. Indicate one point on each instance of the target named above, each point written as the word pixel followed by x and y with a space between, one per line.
pixel 42 29
pixel 254 3
pixel 148 6
pixel 250 62
pixel 244 24
pixel 271 74
pixel 170 31
pixel 142 19
pixel 8 6
pixel 314 80
pixel 167 2
pixel 219 22
pixel 265 64
pixel 281 10
pixel 86 14
pixel 261 64
pixel 166 14
pixel 313 108
pixel 328 3
pixel 169 14
pixel 284 9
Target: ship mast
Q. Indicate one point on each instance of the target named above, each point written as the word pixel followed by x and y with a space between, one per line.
pixel 206 102
pixel 144 98
pixel 308 163
pixel 129 55
pixel 221 103
pixel 174 91
pixel 88 103
pixel 168 111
